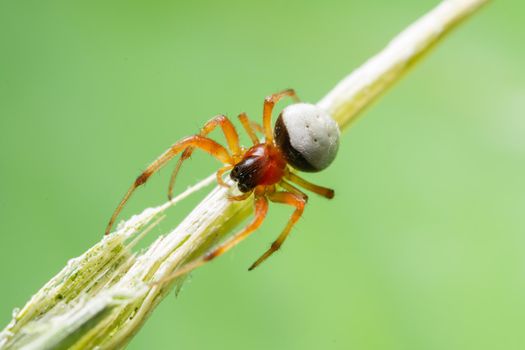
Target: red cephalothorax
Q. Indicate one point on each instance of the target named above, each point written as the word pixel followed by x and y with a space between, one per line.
pixel 263 164
pixel 306 138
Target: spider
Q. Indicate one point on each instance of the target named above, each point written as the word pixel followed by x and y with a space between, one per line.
pixel 305 138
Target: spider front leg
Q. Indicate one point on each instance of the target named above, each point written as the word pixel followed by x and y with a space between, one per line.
pixel 197 141
pixel 261 209
pixel 293 199
pixel 232 138
pixel 269 103
pixel 251 127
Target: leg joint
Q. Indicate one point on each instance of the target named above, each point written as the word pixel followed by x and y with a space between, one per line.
pixel 142 178
pixel 275 246
pixel 211 255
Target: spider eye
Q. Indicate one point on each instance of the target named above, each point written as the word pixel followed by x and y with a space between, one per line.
pixel 307 136
pixel 243 175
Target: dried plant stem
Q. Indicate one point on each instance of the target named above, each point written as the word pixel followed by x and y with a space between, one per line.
pixel 103 297
pixel 359 89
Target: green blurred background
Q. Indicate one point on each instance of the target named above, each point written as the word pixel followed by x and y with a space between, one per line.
pixel 423 246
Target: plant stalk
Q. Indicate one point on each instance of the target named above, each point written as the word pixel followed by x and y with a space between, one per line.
pixel 103 297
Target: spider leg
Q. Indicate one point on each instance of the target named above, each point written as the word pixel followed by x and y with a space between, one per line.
pixel 261 208
pixel 250 127
pixel 269 103
pixel 220 173
pixel 322 191
pixel 240 197
pixel 291 188
pixel 231 137
pixel 203 143
pixel 256 126
pixel 289 198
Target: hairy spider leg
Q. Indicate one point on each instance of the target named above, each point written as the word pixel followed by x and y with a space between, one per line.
pixel 197 141
pixel 261 208
pixel 320 190
pixel 269 103
pixel 289 198
pixel 231 137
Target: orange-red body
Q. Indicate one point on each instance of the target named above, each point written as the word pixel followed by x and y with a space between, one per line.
pixel 262 164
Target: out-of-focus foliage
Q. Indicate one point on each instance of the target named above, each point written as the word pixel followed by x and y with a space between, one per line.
pixel 423 246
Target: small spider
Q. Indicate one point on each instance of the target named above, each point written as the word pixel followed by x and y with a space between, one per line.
pixel 305 138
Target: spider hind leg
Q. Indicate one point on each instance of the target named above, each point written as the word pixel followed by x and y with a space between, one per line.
pixel 320 190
